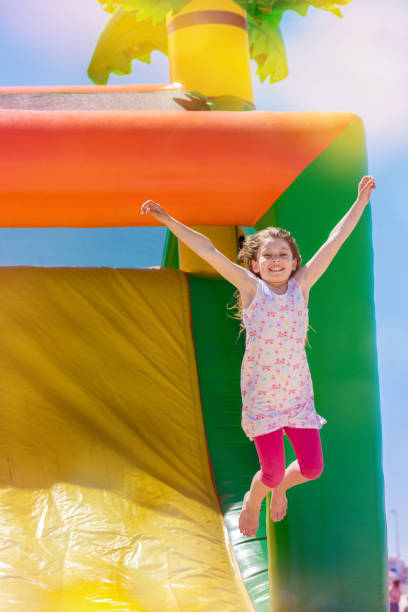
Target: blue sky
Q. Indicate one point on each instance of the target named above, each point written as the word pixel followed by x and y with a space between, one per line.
pixel 356 64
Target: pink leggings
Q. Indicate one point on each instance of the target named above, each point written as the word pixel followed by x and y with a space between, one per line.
pixel 271 453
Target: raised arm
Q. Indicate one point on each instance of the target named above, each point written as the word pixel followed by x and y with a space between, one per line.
pixel 320 261
pixel 240 277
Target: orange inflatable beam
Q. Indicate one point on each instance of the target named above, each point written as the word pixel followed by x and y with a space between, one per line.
pixel 95 168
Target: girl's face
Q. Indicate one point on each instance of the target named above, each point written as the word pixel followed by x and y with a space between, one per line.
pixel 274 261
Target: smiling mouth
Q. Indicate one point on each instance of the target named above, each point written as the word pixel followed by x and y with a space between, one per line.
pixel 276 269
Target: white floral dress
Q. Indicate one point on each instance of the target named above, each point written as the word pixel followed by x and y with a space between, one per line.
pixel 276 385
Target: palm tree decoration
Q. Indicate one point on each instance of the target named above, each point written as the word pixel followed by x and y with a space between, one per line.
pixel 138 27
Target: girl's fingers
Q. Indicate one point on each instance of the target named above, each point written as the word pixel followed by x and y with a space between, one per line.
pixel 147 208
pixel 368 182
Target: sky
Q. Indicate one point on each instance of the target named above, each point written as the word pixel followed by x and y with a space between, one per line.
pixel 355 64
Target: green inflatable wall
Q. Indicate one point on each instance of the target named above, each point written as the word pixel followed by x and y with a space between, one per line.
pixel 332 546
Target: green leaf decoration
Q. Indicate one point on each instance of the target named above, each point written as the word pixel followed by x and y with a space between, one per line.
pixel 330 6
pixel 268 50
pixel 271 11
pixel 199 102
pixel 125 37
pixel 137 28
pixel 230 103
pixel 154 9
pixel 195 102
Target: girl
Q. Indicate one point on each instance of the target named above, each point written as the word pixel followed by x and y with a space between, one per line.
pixel 276 386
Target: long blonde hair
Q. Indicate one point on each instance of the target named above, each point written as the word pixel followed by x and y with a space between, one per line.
pixel 248 252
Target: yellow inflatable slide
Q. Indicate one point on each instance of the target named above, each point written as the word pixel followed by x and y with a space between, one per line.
pixel 106 491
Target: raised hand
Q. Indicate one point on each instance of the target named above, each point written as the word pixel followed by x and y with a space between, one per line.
pixel 153 208
pixel 367 184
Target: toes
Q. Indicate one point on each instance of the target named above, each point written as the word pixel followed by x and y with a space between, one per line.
pixel 283 509
pixel 279 512
pixel 275 514
pixel 247 532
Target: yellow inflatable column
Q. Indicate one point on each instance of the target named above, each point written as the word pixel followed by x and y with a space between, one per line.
pixel 208 49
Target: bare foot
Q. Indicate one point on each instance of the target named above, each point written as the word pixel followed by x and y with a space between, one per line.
pixel 249 518
pixel 279 504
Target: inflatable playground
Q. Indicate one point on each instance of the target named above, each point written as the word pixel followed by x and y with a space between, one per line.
pixel 123 461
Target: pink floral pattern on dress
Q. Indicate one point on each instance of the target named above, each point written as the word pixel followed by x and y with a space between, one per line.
pixel 276 385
